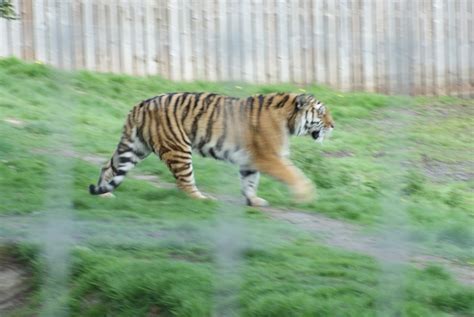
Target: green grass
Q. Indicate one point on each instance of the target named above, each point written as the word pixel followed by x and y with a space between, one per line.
pixel 154 249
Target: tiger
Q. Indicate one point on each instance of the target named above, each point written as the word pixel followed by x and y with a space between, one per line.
pixel 251 132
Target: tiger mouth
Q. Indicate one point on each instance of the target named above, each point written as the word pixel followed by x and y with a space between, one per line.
pixel 315 134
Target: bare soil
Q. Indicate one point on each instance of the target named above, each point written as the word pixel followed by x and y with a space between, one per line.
pixel 15 282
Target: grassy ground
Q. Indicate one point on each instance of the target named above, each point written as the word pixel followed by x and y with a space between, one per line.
pixel 394 163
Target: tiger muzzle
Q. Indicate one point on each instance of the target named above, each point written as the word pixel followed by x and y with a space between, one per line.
pixel 315 134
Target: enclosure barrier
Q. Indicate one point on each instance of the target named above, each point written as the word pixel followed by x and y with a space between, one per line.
pixel 389 46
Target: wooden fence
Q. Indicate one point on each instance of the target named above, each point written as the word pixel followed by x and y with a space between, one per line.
pixel 389 46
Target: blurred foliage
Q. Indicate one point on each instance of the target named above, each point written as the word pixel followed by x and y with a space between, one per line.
pixel 7 11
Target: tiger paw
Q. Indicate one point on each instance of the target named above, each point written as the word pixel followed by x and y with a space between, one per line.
pixel 107 195
pixel 305 192
pixel 257 202
pixel 199 195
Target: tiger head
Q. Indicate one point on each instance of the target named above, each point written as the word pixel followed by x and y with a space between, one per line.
pixel 313 118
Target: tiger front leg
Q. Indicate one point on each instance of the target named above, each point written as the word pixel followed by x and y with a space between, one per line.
pixel 283 170
pixel 249 180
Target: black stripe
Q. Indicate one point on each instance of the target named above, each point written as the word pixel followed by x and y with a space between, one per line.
pixel 213 154
pixel 283 101
pixel 113 167
pixel 196 122
pixel 185 175
pixel 123 159
pixel 168 120
pixel 260 106
pixel 246 173
pixel 186 108
pixel 211 122
pixel 178 123
pixel 151 123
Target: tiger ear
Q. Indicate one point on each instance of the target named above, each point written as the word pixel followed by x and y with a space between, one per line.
pixel 300 101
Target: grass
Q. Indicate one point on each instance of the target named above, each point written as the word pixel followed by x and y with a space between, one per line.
pixel 153 252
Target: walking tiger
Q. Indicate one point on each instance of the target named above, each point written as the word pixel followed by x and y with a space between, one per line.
pixel 251 132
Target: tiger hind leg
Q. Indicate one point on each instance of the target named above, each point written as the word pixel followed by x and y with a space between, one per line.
pixel 126 156
pixel 180 165
pixel 249 182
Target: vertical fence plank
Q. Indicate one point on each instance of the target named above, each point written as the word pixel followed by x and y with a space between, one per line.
pixel 222 39
pixel 78 34
pixel 259 48
pixel 174 42
pixel 196 35
pixel 107 36
pixel 138 36
pixel 344 46
pixel 99 35
pixel 149 38
pixel 438 33
pixel 158 37
pixel 429 62
pixel 89 44
pixel 463 68
pixel 470 27
pixel 305 13
pixel 14 28
pixel 126 59
pixel 112 13
pixel 295 42
pixel 233 49
pixel 448 45
pixel 27 30
pixel 318 41
pixel 368 44
pixel 398 49
pixel 380 46
pixel 185 36
pixel 389 46
pixel 53 38
pixel 164 39
pixel 332 48
pixel 357 78
pixel 65 34
pixel 210 40
pixel 282 41
pixel 270 40
pixel 39 30
pixel 246 60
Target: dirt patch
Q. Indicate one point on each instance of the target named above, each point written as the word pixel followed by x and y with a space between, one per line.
pixel 338 154
pixel 154 180
pixel 439 171
pixel 15 282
